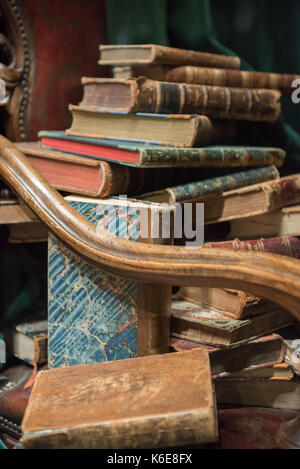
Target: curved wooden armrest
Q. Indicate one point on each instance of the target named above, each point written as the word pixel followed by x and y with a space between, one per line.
pixel 274 277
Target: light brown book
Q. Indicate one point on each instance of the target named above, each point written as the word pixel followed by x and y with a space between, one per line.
pixel 149 54
pixel 206 325
pixel 253 200
pixel 265 351
pixel 276 393
pixel 159 97
pixel 280 371
pixel 123 404
pixel 234 303
pixel 283 222
pixel 231 78
pixel 182 130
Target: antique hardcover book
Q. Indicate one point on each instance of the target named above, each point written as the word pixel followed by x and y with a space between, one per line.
pixel 181 130
pixel 146 54
pixel 237 304
pixel 95 178
pixel 152 155
pixel 264 351
pixel 28 341
pixel 150 96
pixel 94 316
pixel 205 325
pixel 208 190
pixel 232 78
pixel 124 404
pixel 275 393
pixel 279 371
pixel 284 222
pixel 253 200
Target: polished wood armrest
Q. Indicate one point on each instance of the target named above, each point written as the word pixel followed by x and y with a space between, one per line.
pixel 274 277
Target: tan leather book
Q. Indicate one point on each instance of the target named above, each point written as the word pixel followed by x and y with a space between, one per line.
pixel 150 402
pixel 233 78
pixel 150 54
pixel 151 96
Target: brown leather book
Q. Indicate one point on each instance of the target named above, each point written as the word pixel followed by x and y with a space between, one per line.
pixel 149 54
pixel 262 352
pixel 150 402
pixel 150 96
pixel 231 78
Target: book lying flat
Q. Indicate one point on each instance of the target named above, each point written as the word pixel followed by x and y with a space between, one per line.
pixel 28 341
pixel 193 322
pixel 211 189
pixel 96 178
pixel 262 352
pixel 283 222
pixel 234 303
pixel 279 371
pixel 275 393
pixel 156 54
pixel 234 78
pixel 124 404
pixel 152 155
pixel 161 97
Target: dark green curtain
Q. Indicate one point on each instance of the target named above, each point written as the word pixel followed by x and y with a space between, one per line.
pixel 265 34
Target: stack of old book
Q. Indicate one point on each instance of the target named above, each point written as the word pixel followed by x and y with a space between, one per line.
pixel 163 130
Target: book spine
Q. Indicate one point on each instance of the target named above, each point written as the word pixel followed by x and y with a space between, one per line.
pixel 208 187
pixel 214 157
pixel 172 56
pixel 283 245
pixel 283 192
pixel 231 78
pixel 215 101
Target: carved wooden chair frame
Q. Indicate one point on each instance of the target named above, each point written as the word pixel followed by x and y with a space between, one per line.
pixel 274 277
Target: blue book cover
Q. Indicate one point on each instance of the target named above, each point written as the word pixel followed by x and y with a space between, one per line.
pixel 93 316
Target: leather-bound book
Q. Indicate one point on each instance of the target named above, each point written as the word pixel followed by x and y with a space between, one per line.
pixel 150 96
pixel 206 325
pixel 178 130
pixel 147 155
pixel 94 316
pixel 151 402
pixel 149 54
pixel 232 78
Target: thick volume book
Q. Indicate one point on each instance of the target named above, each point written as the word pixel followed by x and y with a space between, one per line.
pixel 179 130
pixel 147 54
pixel 232 78
pixel 205 325
pixel 284 222
pixel 94 316
pixel 150 155
pixel 211 189
pixel 148 402
pixel 96 178
pixel 262 352
pixel 28 341
pixel 150 96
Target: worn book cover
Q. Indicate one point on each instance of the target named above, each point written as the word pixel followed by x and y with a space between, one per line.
pixel 94 316
pixel 263 352
pixel 161 401
pixel 205 325
pixel 149 54
pixel 161 97
pixel 233 78
pixel 208 189
pixel 158 156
